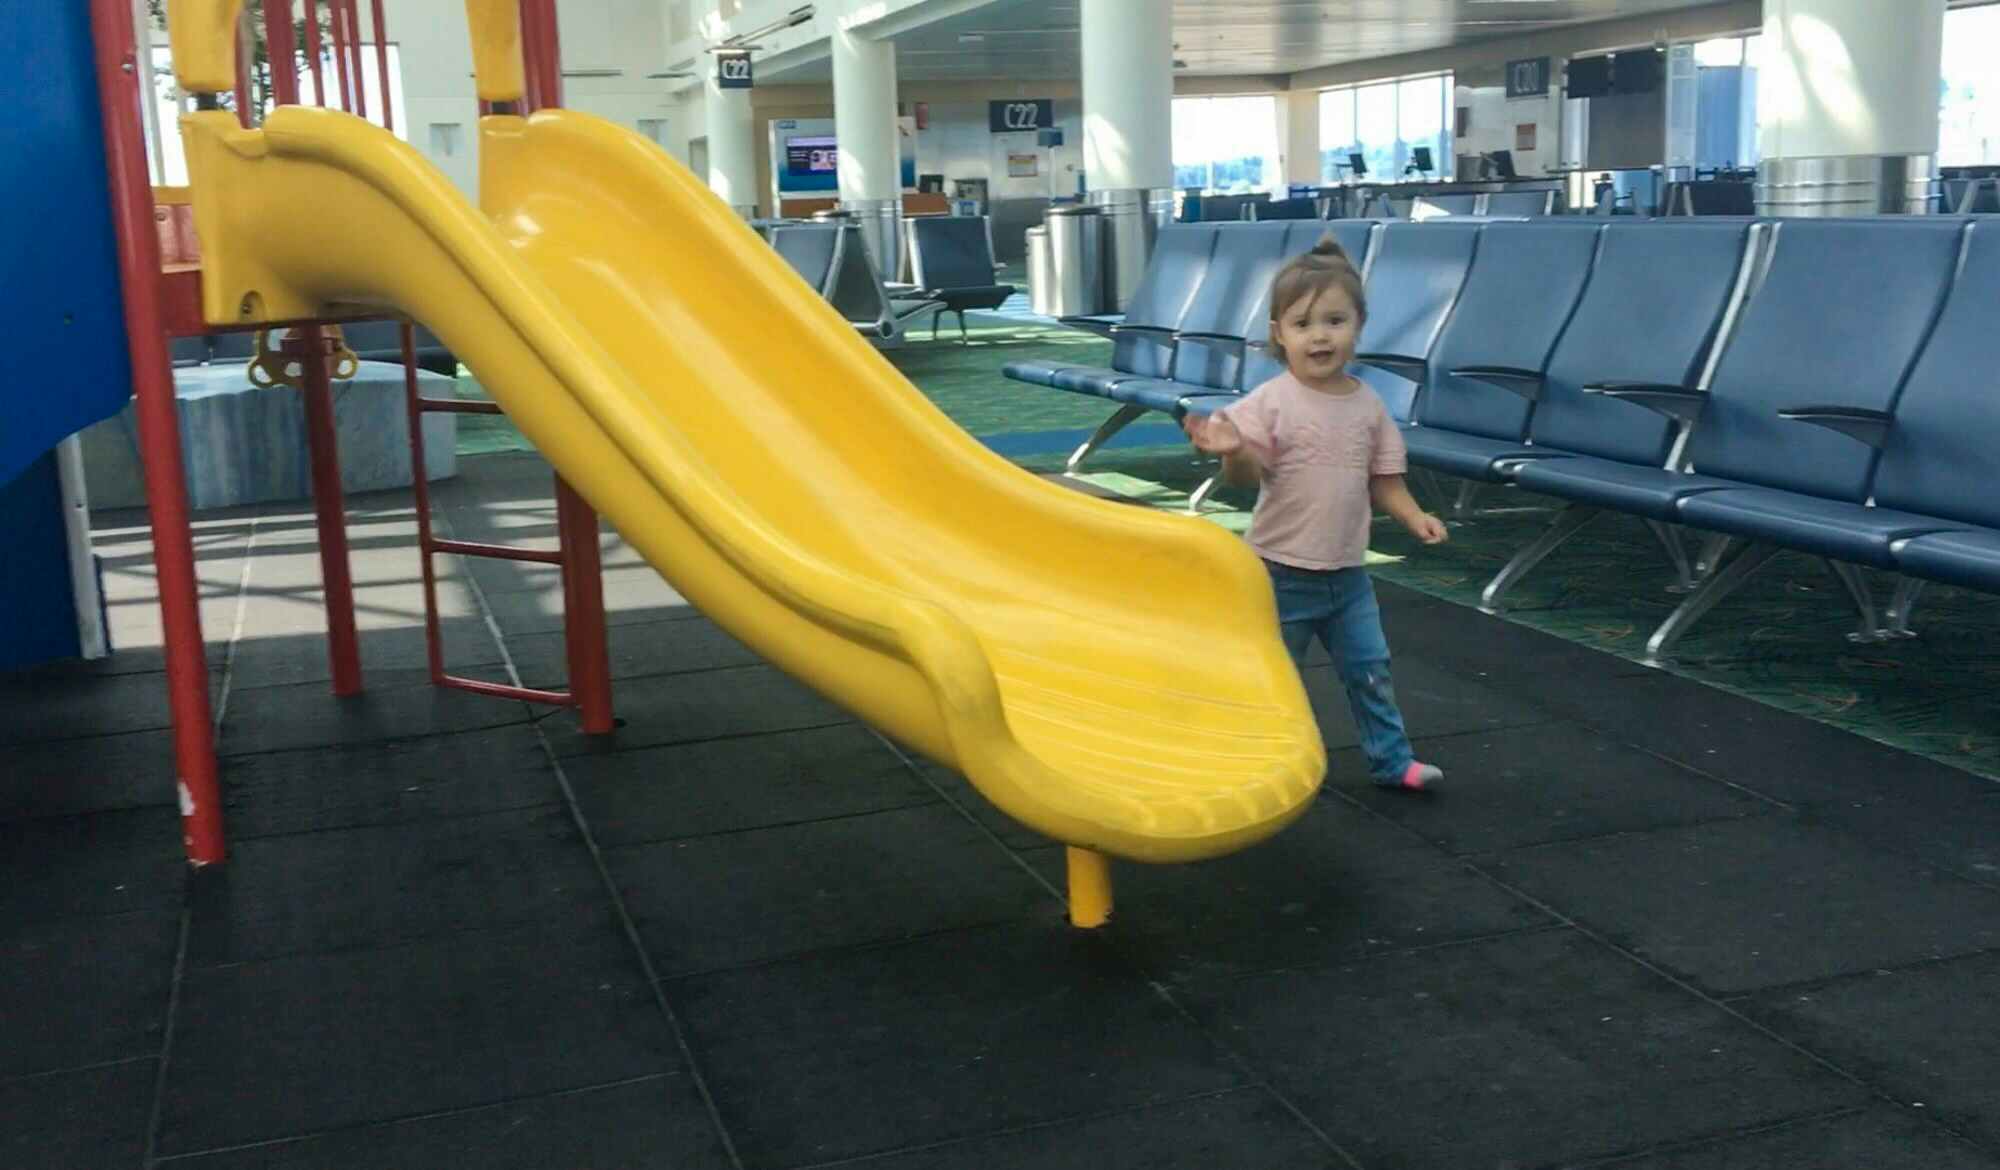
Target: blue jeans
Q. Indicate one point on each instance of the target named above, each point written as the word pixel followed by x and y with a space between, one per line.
pixel 1338 607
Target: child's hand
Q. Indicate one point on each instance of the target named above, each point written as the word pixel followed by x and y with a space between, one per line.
pixel 1429 529
pixel 1214 434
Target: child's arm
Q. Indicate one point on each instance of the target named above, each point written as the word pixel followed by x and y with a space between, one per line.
pixel 1218 435
pixel 1393 496
pixel 1241 469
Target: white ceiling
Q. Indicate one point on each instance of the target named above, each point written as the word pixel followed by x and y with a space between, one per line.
pixel 1038 38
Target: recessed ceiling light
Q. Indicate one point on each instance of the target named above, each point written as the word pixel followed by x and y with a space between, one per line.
pixel 972 38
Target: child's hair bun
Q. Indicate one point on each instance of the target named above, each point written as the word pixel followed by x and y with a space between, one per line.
pixel 1329 246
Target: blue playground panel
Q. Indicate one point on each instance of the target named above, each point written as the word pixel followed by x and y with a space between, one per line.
pixel 62 326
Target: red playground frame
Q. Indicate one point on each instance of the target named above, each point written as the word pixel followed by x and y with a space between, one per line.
pixel 163 300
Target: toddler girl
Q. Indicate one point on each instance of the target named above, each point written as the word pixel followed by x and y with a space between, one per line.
pixel 1322 448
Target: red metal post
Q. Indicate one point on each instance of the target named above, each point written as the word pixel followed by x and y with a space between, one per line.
pixel 312 52
pixel 282 51
pixel 420 487
pixel 382 68
pixel 354 54
pixel 337 38
pixel 584 634
pixel 242 78
pixel 541 54
pixel 343 649
pixel 584 625
pixel 119 98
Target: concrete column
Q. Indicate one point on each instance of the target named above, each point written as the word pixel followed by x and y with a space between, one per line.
pixel 1128 94
pixel 1128 155
pixel 1847 106
pixel 864 127
pixel 732 145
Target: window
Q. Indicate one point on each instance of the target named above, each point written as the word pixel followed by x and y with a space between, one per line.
pixel 1726 101
pixel 371 84
pixel 1384 122
pixel 1969 91
pixel 1226 145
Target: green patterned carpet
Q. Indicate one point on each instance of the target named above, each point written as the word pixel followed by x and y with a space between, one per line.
pixel 1781 640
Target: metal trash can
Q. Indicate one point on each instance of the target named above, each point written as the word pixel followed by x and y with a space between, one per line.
pixel 1041 272
pixel 1857 185
pixel 1076 260
pixel 1132 220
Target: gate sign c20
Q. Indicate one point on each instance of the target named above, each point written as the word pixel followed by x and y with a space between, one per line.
pixel 1528 77
pixel 732 71
pixel 1025 114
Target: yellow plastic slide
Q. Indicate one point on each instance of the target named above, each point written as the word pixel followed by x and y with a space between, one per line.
pixel 1108 675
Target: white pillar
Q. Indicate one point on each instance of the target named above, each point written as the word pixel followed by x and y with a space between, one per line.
pixel 1128 112
pixel 1128 95
pixel 1298 121
pixel 864 128
pixel 864 116
pixel 1847 105
pixel 732 145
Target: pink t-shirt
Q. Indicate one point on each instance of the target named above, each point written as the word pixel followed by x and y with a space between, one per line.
pixel 1318 452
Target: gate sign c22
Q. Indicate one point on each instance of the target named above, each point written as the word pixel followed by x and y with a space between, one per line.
pixel 1016 116
pixel 1528 77
pixel 732 71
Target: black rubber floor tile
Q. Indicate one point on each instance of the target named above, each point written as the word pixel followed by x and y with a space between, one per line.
pixel 1882 1138
pixel 1434 702
pixel 1534 1050
pixel 1486 648
pixel 312 1043
pixel 270 719
pixel 714 704
pixel 946 1037
pixel 1781 755
pixel 97 774
pixel 747 897
pixel 1760 902
pixel 1951 821
pixel 1333 887
pixel 659 1121
pixel 542 612
pixel 724 785
pixel 300 611
pixel 289 659
pixel 1241 1128
pixel 1533 785
pixel 86 1120
pixel 38 710
pixel 669 647
pixel 377 558
pixel 84 990
pixel 98 863
pixel 389 884
pixel 1926 1036
pixel 386 783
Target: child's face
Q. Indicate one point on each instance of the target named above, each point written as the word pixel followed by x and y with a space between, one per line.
pixel 1319 334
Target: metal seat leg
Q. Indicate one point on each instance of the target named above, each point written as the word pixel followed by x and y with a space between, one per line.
pixel 1901 605
pixel 1568 523
pixel 1720 584
pixel 1201 494
pixel 1124 417
pixel 1856 585
pixel 1670 539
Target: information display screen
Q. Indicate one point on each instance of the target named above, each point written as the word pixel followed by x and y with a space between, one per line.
pixel 808 157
